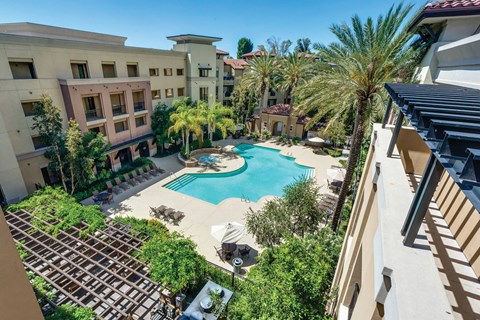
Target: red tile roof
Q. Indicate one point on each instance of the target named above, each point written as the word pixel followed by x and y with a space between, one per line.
pixel 223 53
pixel 451 4
pixel 279 109
pixel 236 63
pixel 257 54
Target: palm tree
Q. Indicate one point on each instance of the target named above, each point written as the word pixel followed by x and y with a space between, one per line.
pixel 216 117
pixel 367 55
pixel 303 45
pixel 294 70
pixel 259 76
pixel 187 120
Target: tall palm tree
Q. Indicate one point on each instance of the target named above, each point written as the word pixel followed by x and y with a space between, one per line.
pixel 259 76
pixel 216 117
pixel 187 120
pixel 367 55
pixel 294 70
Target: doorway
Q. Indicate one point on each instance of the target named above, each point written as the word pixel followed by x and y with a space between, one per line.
pixel 143 149
pixel 125 156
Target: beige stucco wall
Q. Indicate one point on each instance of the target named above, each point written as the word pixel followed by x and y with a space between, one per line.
pixel 270 119
pixel 52 58
pixel 17 300
pixel 461 217
pixel 413 151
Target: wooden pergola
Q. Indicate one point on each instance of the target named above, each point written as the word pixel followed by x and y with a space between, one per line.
pixel 99 270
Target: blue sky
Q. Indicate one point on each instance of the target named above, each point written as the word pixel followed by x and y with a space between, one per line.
pixel 147 23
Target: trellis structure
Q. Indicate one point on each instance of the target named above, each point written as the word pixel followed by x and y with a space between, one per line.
pixel 99 270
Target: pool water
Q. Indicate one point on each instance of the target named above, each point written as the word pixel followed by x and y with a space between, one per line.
pixel 208 159
pixel 265 172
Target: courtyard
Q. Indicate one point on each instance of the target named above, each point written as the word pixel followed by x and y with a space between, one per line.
pixel 201 215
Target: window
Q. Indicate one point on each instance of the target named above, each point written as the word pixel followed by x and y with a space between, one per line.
pixel 272 93
pixel 132 69
pixel 138 101
pixel 109 70
pixel 291 128
pixel 140 121
pixel 204 93
pixel 180 92
pixel 79 69
pixel 153 72
pixel 118 104
pixel 271 102
pixel 38 142
pixel 156 94
pixel 29 107
pixel 121 126
pixel 179 72
pixel 169 93
pixel 167 72
pixel 93 108
pixel 22 69
pixel 203 73
pixel 97 130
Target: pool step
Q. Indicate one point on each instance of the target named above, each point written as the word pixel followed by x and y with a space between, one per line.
pixel 180 182
pixel 311 173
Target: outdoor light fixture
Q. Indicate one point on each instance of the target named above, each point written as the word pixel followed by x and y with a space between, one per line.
pixel 376 173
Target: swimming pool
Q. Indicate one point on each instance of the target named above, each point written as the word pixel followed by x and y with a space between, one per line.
pixel 265 172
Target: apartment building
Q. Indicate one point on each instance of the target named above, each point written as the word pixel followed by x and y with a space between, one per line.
pixel 96 80
pixel 412 246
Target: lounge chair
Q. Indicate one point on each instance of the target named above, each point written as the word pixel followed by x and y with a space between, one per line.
pixel 115 189
pixel 144 174
pixel 157 169
pixel 129 180
pixel 137 177
pixel 154 173
pixel 123 185
pixel 95 193
pixel 176 217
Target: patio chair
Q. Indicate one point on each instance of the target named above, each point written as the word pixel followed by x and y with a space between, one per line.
pixel 115 189
pixel 137 177
pixel 129 180
pixel 144 174
pixel 123 185
pixel 176 217
pixel 245 251
pixel 154 173
pixel 158 169
pixel 109 199
pixel 95 193
pixel 220 253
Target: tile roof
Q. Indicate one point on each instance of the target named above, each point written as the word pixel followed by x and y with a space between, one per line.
pixel 279 109
pixel 257 54
pixel 451 4
pixel 236 63
pixel 223 53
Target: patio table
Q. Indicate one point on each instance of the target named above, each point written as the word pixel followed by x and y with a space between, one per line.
pixel 229 247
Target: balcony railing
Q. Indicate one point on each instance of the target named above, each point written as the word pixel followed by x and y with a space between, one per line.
pixel 139 106
pixel 119 109
pixel 94 114
pixel 228 78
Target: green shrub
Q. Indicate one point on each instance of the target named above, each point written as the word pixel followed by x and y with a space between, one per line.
pixel 21 250
pixel 266 135
pixel 332 152
pixel 43 290
pixel 141 162
pixel 149 226
pixel 69 312
pixel 255 135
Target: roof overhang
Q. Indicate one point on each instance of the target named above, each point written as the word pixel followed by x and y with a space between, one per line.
pixel 429 15
pixel 194 38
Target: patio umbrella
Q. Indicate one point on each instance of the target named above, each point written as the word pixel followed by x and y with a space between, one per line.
pixel 336 174
pixel 229 232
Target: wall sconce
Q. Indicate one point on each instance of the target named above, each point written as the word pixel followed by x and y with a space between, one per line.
pixel 30 92
pixel 376 173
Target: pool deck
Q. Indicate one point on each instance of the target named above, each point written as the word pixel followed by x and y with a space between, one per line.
pixel 201 215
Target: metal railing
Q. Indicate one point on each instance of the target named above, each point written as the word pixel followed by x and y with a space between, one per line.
pixel 228 78
pixel 119 109
pixel 94 114
pixel 138 106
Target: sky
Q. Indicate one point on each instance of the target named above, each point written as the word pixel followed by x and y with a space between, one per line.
pixel 148 23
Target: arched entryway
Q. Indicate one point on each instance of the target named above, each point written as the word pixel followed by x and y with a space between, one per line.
pixel 125 156
pixel 143 149
pixel 108 163
pixel 277 128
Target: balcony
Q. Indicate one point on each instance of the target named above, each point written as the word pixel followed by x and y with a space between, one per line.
pixel 139 106
pixel 228 77
pixel 118 110
pixel 227 94
pixel 94 114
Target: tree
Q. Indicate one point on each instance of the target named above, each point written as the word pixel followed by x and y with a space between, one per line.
pixel 216 117
pixel 294 70
pixel 74 146
pixel 303 45
pixel 296 214
pixel 186 120
pixel 259 76
pixel 244 102
pixel 160 124
pixel 173 261
pixel 367 55
pixel 48 123
pixel 291 281
pixel 279 47
pixel 245 45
